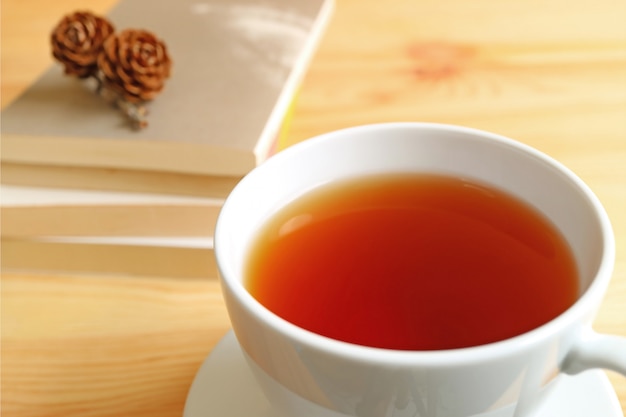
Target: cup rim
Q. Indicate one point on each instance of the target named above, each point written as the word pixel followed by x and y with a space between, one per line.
pixel 428 358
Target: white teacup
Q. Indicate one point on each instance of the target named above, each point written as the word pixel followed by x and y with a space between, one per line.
pixel 305 374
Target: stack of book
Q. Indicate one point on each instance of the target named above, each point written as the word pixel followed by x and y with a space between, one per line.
pixel 82 192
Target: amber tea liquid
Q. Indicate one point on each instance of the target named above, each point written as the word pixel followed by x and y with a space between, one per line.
pixel 412 262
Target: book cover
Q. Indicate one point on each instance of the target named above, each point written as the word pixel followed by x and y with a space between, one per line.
pixel 30 213
pixel 171 258
pixel 236 67
pixel 114 179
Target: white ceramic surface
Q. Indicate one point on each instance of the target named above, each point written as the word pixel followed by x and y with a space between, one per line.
pixel 366 382
pixel 224 386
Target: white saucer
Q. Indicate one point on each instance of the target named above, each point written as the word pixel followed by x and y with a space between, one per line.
pixel 225 387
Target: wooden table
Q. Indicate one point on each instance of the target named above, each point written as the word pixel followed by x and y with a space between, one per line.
pixel 549 73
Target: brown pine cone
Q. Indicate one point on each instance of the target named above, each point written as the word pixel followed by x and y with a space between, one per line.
pixel 135 64
pixel 77 40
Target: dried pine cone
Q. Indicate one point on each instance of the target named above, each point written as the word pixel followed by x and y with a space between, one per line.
pixel 77 41
pixel 135 64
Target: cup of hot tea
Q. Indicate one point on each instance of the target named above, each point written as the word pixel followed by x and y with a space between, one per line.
pixel 411 269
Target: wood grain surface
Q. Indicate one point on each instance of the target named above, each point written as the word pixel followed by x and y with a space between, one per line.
pixel 549 73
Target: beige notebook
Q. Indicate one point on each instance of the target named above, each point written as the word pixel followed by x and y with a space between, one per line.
pixel 236 67
pixel 30 213
pixel 187 258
